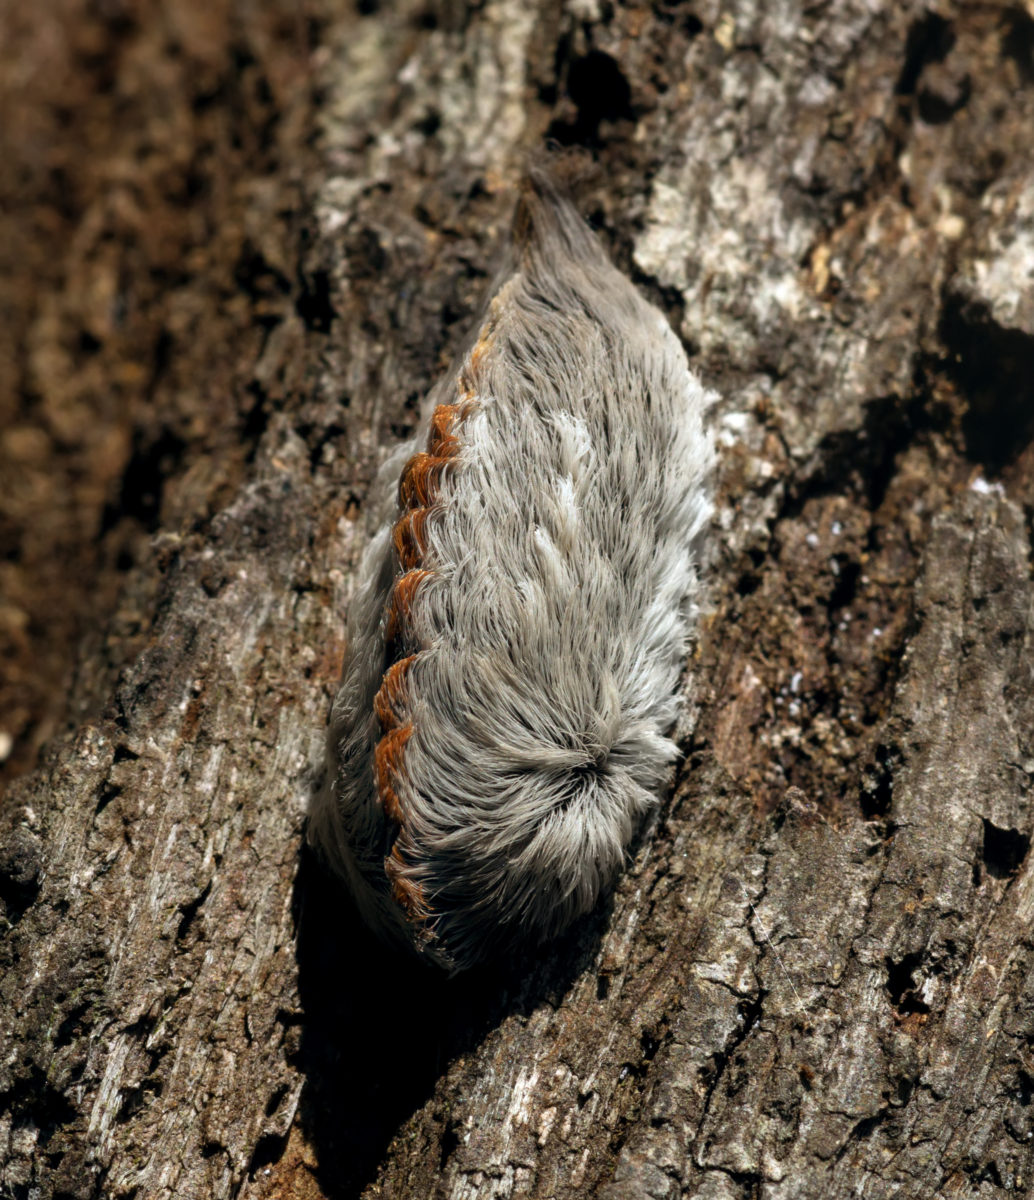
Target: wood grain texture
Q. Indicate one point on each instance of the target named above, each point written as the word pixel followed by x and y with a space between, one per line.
pixel 815 979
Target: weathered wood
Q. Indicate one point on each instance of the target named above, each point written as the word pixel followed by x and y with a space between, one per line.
pixel 816 977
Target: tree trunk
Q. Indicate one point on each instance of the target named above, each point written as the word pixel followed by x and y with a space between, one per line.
pixel 239 246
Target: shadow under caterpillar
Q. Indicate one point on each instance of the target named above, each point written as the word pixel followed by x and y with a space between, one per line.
pixel 522 617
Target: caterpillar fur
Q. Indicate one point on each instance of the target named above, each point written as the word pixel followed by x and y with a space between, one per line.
pixel 523 614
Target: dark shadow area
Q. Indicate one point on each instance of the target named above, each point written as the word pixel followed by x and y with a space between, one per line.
pixel 153 461
pixel 930 40
pixel 1004 850
pixel 1018 42
pixel 876 797
pixel 904 989
pixel 994 369
pixel 380 1028
pixel 596 89
pixel 863 462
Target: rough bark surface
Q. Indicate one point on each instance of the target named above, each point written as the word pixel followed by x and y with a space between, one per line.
pixel 239 244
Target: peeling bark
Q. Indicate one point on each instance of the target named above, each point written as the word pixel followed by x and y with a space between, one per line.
pixel 815 978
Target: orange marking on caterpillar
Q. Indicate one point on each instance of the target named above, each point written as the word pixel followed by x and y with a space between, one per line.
pixel 392 692
pixel 388 766
pixel 487 334
pixel 408 537
pixel 420 479
pixel 440 442
pixel 401 604
pixel 407 894
pixel 390 804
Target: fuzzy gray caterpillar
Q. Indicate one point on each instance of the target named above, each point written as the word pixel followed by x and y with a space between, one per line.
pixel 523 615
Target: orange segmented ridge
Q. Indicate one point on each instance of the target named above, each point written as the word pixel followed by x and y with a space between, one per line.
pixel 418 490
pixel 389 698
pixel 420 478
pixel 409 896
pixel 478 352
pixel 390 804
pixel 388 765
pixel 401 604
pixel 408 537
pixel 440 442
pixel 466 379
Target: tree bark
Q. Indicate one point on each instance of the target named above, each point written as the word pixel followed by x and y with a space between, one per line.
pixel 267 232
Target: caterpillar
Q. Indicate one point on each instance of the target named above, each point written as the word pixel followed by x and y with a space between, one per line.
pixel 523 613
